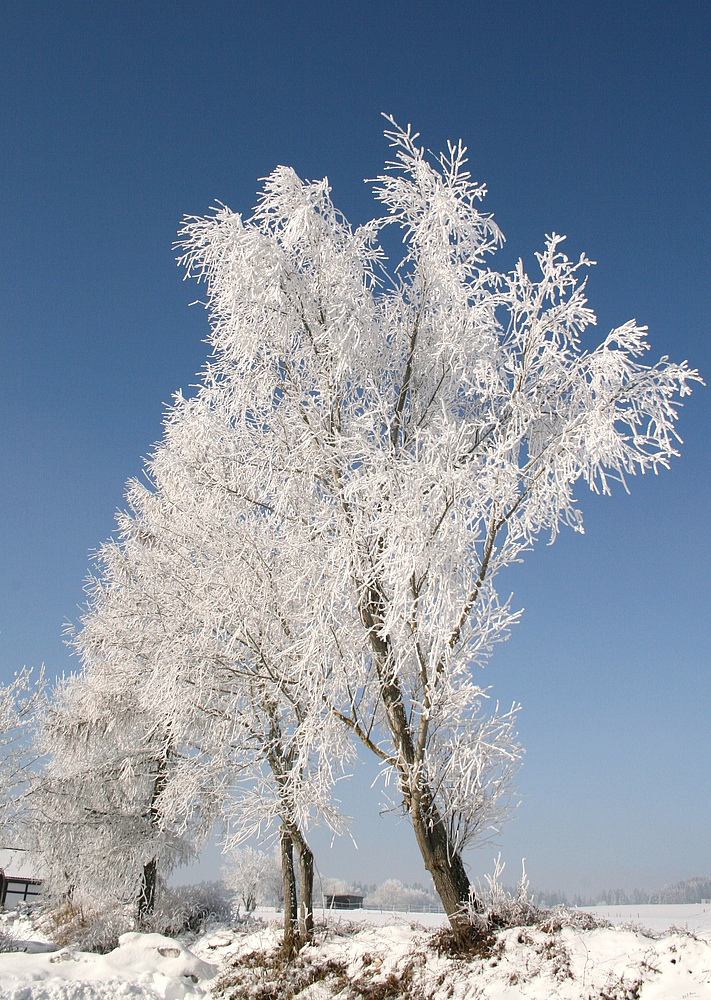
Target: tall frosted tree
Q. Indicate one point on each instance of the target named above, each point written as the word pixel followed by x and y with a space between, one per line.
pixel 242 660
pixel 405 430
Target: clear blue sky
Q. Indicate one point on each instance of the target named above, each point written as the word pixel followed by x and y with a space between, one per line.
pixel 591 119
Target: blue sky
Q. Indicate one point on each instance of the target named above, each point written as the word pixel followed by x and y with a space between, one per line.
pixel 587 119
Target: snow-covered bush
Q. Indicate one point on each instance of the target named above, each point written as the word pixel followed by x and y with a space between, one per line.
pixel 179 910
pixel 7 941
pixel 187 908
pixel 492 905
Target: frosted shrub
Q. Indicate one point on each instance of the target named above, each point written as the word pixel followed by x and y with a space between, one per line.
pixel 7 941
pixel 85 928
pixel 187 908
pixel 493 906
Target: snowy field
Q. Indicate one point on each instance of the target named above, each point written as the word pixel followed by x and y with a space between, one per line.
pixel 685 916
pixel 388 955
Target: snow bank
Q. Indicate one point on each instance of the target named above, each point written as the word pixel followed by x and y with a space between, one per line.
pixel 536 963
pixel 143 965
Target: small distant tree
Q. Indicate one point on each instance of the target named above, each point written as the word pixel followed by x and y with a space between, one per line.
pixel 254 875
pixel 393 895
pixel 404 435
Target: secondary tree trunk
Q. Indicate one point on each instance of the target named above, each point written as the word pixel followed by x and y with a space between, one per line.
pixel 281 762
pixel 306 885
pixel 290 944
pixel 149 877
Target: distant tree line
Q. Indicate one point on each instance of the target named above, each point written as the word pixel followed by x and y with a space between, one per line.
pixel 395 895
pixel 693 890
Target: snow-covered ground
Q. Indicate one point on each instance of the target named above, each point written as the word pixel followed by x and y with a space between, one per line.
pixel 695 917
pixel 366 949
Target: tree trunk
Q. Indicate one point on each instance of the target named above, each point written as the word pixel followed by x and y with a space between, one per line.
pixel 306 911
pixel 147 892
pixel 441 860
pixel 306 885
pixel 290 944
pixel 447 870
pixel 281 763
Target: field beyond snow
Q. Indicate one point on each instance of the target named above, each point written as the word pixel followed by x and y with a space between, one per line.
pixel 377 957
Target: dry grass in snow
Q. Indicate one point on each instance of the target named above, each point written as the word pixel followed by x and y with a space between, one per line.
pixel 547 960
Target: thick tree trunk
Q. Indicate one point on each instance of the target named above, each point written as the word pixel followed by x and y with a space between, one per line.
pixel 147 892
pixel 290 944
pixel 441 860
pixel 447 870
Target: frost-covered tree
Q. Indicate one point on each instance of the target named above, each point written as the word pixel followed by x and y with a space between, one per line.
pixel 246 655
pixel 105 815
pixel 188 609
pixel 406 432
pixel 19 701
pixel 128 791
